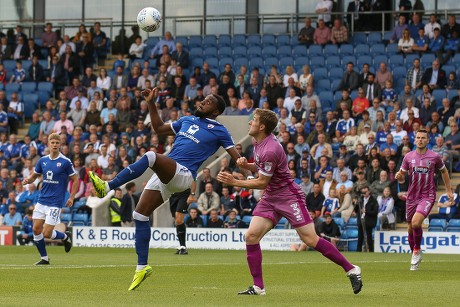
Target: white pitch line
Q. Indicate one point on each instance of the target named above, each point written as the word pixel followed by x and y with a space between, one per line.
pixel 30 266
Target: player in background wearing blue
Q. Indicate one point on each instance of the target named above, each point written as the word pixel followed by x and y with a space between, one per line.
pixel 197 138
pixel 56 170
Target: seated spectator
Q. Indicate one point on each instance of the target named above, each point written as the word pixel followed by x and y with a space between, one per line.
pixel 386 205
pixel 306 34
pixel 436 44
pixel 377 186
pixel 331 204
pixel 389 144
pixel 329 230
pixel 316 149
pixel 371 88
pixel 413 80
pixel 322 34
pixel 408 109
pixel 195 220
pixel 344 126
pixel 315 200
pixel 306 185
pixel 399 29
pixel 326 183
pixel 383 74
pixel 405 43
pixel 136 50
pixel 446 208
pixel 359 104
pixel 26 234
pixel 350 79
pixel 226 202
pixel 13 218
pixel 19 74
pixel 398 133
pixel 214 220
pixel 339 33
pixel 431 25
pixel 450 27
pixel 351 140
pixel 208 200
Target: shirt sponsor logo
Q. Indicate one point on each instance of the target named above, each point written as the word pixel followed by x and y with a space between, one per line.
pixel 421 169
pixel 49 178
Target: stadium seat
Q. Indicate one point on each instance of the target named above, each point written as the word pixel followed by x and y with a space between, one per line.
pixel 152 41
pixel 239 40
pixel 197 61
pixel 348 58
pixel 225 61
pixel 378 59
pixel 271 61
pixel 29 87
pixel 315 50
pixel 437 225
pixel 346 49
pixel 352 236
pixel 79 219
pixel 247 219
pixel 316 62
pixel 269 51
pixel 330 50
pixel 340 222
pixel 8 96
pixel 362 49
pixel 45 86
pixel 239 51
pixel 253 40
pixel 256 62
pixel 359 38
pixel 281 223
pixel 335 86
pixel 427 59
pixel 439 95
pixel 43 63
pixel 377 49
pixel 286 61
pixel 225 51
pixel 294 40
pixel 30 104
pixel 268 40
pixel 320 73
pixel 283 40
pixel 237 63
pixel 387 36
pixel 392 49
pixel 333 61
pixel 301 61
pixel 195 41
pixel 210 52
pixel 323 85
pixel 363 59
pixel 396 60
pixel 448 69
pixel 337 96
pixel 453 226
pixel 352 223
pixel 224 40
pixel 299 50
pixel 209 41
pixel 183 40
pixel 399 72
pixel 66 218
pixel 374 38
pixel 326 98
pixel 196 51
pixel 284 51
pixel 254 51
pixel 213 62
pixel 26 65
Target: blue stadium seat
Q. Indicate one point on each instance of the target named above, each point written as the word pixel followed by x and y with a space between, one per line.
pixel 352 223
pixel 269 51
pixel 239 51
pixel 380 59
pixel 195 41
pixel 224 40
pixel 354 94
pixel 364 59
pixel 447 68
pixel 315 50
pixel 196 52
pixel 301 61
pixel 183 40
pixel 79 219
pixel 12 87
pixel 333 61
pixel 330 49
pixel 377 49
pixel 453 226
pixel 320 73
pixel 30 104
pixel 374 38
pixel 316 62
pixel 209 41
pixel 247 219
pixel 346 49
pixel 197 61
pixel 225 61
pixel 326 97
pixel 210 52
pixel 237 63
pixel 283 40
pixel 254 51
pixel 387 36
pixel 281 223
pixel 66 218
pixel 427 59
pixel 213 62
pixel 152 41
pixel 399 72
pixel 29 87
pixel 285 61
pixel 299 50
pixel 437 225
pixel 294 41
pixel 45 86
pixel 337 95
pixel 323 85
pixel 362 49
pixel 340 222
pixel 392 49
pixel 9 65
pixel 335 86
pixel 239 40
pixel 409 62
pixel 348 58
pixel 268 40
pixel 253 40
pixel 256 62
pixel 396 60
pixel 43 63
pixel 456 59
pixel 359 38
pixel 225 51
pixel 284 51
pixel 352 236
pixel 452 94
pixel 271 61
pixel 439 95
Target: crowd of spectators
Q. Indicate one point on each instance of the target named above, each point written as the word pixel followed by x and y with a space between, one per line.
pixel 332 154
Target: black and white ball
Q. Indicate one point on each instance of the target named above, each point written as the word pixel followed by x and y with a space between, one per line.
pixel 149 19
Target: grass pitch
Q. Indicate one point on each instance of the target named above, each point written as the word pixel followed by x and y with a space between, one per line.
pixel 101 277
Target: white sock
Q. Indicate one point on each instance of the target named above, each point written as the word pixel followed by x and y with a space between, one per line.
pixel 45 258
pixel 140 267
pixel 107 189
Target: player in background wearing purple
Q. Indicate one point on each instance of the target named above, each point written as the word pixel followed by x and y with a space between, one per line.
pixel 282 198
pixel 421 165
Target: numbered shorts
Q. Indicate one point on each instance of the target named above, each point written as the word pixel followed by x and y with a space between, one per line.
pixel 181 181
pixel 292 208
pixel 51 215
pixel 423 207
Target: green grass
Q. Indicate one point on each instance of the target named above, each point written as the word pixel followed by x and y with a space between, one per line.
pixel 101 277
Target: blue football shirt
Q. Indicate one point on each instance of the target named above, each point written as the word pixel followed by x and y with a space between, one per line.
pixel 196 140
pixel 56 174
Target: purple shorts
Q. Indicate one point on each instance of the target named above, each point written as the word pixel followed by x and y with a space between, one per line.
pixel 423 207
pixel 293 209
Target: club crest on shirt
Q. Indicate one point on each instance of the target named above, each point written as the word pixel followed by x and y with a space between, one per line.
pixel 210 126
pixel 413 161
pixel 268 166
pixel 58 164
pixel 429 163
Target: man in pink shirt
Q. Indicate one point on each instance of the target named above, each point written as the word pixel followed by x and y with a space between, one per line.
pixel 421 165
pixel 281 198
pixel 322 34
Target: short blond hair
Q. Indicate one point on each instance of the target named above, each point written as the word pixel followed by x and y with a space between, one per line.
pixel 54 136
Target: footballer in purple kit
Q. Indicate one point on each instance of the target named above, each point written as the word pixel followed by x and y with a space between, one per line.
pixel 421 166
pixel 282 198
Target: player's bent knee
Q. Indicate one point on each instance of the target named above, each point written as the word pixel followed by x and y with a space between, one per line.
pixel 252 237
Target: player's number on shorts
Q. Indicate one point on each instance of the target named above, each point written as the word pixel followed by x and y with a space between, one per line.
pixel 54 213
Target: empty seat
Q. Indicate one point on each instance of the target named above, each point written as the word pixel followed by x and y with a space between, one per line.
pixel 79 219
pixel 281 223
pixel 299 50
pixel 66 218
pixel 237 63
pixel 377 49
pixel 364 59
pixel 269 51
pixel 333 61
pixel 256 62
pixel 323 85
pixel 283 40
pixel 346 49
pixel 378 59
pixel 374 38
pixel 326 98
pixel 286 61
pixel 454 225
pixel 210 52
pixel 301 61
pixel 437 225
pixel 268 40
pixel 254 51
pixel 225 51
pixel 340 222
pixel 152 41
pixel 315 50
pixel 196 51
pixel 347 59
pixel 224 40
pixel 29 87
pixel 239 40
pixel 362 49
pixel 396 60
pixel 317 61
pixel 12 87
pixel 330 50
pixel 213 62
pixel 209 41
pixel 320 73
pixel 359 38
pixel 253 40
pixel 225 61
pixel 195 41
pixel 183 40
pixel 392 49
pixel 352 223
pixel 271 61
pixel 239 51
pixel 284 51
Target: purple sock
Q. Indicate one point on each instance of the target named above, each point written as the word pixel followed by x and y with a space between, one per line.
pixel 411 240
pixel 332 253
pixel 418 234
pixel 254 257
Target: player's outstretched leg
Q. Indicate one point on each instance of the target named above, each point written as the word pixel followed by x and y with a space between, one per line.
pixel 308 235
pixel 128 174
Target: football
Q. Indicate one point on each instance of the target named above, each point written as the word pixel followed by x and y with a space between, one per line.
pixel 149 19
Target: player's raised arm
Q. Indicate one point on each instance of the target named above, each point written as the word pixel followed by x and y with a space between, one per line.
pixel 157 124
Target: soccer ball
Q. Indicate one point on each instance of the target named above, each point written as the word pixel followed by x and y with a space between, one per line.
pixel 149 19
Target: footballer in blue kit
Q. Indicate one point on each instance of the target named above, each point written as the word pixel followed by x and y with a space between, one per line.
pixel 196 139
pixel 56 170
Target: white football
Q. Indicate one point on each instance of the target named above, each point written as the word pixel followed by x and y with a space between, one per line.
pixel 149 19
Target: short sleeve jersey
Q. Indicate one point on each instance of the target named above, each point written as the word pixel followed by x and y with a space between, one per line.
pixel 196 140
pixel 56 174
